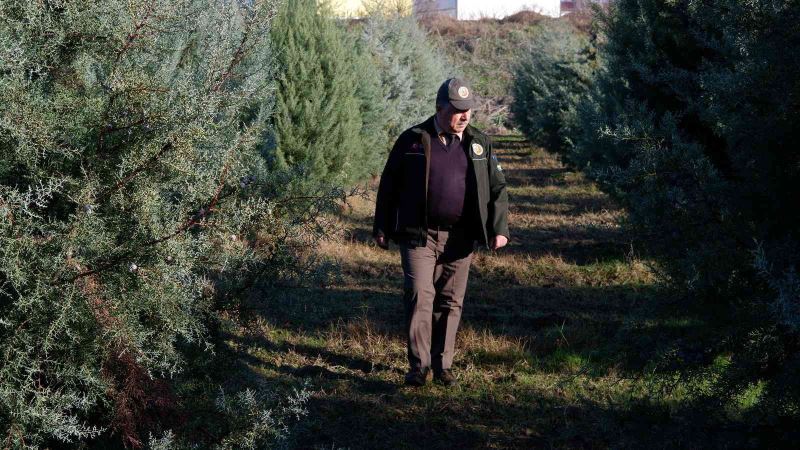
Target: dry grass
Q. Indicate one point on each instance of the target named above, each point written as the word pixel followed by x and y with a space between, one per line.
pixel 556 335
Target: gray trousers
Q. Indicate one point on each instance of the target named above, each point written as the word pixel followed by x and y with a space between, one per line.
pixel 434 282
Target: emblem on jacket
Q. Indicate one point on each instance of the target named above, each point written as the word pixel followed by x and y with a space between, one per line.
pixel 477 149
pixel 463 92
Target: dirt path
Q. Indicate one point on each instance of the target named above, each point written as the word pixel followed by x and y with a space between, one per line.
pixel 542 356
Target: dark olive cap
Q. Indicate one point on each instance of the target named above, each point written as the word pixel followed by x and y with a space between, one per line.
pixel 456 92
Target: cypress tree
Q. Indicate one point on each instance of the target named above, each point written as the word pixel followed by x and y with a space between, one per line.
pixel 552 77
pixel 692 123
pixel 128 134
pixel 409 67
pixel 317 119
pixel 372 108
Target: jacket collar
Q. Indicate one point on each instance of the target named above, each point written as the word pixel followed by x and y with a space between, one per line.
pixel 469 133
pixel 429 126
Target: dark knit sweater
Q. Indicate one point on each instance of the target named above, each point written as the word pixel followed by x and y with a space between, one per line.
pixel 447 185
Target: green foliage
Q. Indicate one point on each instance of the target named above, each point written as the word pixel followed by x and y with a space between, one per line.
pixel 372 106
pixel 408 69
pixel 666 130
pixel 644 139
pixel 131 189
pixel 344 95
pixel 692 123
pixel 318 118
pixel 253 420
pixel 553 75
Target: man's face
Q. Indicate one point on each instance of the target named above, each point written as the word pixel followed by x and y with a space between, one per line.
pixel 451 119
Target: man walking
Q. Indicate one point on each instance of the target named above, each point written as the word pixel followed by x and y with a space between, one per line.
pixel 441 191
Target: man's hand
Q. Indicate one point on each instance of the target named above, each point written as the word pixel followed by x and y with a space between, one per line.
pixel 499 241
pixel 381 241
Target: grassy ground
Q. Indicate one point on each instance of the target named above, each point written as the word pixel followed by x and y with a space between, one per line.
pixel 558 333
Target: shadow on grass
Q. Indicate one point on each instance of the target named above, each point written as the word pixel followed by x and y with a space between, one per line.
pixel 327 357
pixel 574 245
pixel 568 204
pixel 511 143
pixel 602 325
pixel 553 343
pixel 314 310
pixel 596 333
pixel 512 418
pixel 540 177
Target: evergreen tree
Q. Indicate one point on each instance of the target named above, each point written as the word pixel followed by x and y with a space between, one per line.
pixel 691 124
pixel 553 75
pixel 642 121
pixel 317 118
pixel 372 107
pixel 128 166
pixel 409 67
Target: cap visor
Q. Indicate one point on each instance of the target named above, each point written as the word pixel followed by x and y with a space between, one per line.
pixel 463 104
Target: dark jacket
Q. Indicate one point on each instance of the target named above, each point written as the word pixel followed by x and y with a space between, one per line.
pixel 401 206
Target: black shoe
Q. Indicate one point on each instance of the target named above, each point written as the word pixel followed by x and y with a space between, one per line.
pixel 417 377
pixel 445 377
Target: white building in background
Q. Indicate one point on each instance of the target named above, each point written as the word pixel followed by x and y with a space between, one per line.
pixel 477 9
